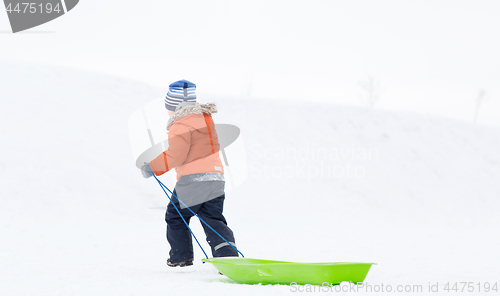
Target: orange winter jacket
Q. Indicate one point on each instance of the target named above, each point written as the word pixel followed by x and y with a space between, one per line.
pixel 193 144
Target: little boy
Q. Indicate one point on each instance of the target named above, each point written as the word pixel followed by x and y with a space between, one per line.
pixel 193 152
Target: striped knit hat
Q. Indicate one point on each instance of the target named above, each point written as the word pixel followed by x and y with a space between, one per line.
pixel 178 92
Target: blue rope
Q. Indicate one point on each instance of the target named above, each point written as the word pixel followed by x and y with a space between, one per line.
pixel 203 221
pixel 163 186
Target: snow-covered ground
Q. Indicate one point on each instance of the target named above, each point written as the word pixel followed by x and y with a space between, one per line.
pixel 418 195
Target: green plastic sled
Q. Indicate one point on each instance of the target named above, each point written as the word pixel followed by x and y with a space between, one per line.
pixel 258 271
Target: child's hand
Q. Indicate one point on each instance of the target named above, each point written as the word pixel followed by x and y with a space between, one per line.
pixel 146 172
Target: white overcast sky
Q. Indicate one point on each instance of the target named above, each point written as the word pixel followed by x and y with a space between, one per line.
pixel 429 56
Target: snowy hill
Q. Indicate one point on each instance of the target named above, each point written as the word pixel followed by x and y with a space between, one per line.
pixel 416 194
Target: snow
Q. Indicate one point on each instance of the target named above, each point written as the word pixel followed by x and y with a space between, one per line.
pixel 418 195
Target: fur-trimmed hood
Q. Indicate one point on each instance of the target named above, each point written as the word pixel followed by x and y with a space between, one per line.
pixel 183 111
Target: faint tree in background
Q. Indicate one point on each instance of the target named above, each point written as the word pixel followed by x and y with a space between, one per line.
pixel 479 100
pixel 371 91
pixel 248 87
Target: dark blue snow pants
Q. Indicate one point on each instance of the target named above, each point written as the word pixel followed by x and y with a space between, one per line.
pixel 179 237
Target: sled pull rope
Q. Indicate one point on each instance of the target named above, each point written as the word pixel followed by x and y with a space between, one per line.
pixel 163 187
